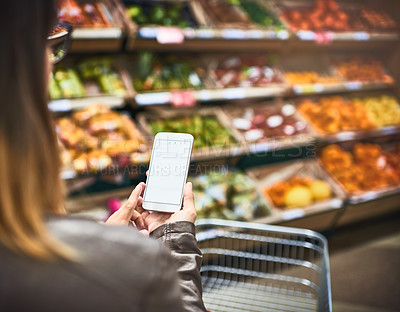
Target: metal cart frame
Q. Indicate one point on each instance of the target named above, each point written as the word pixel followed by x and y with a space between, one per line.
pixel 257 267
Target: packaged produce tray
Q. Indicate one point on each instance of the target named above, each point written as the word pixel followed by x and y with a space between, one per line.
pixel 305 172
pixel 338 118
pixel 209 126
pixel 364 171
pixel 224 194
pixel 97 140
pixel 269 126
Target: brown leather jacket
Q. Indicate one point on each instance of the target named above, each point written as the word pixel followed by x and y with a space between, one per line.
pixel 120 270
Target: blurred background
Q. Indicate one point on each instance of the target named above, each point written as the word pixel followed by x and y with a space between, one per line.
pixel 294 106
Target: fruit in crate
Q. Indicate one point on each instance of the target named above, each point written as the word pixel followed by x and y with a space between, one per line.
pixel 309 77
pixel 298 191
pixel 207 130
pixel 367 168
pixel 245 72
pixel 154 73
pixel 378 19
pixel 97 137
pixel 335 114
pixel 157 14
pixel 323 15
pixel 93 14
pixel 262 123
pixel 227 195
pixel 363 70
pixel 383 110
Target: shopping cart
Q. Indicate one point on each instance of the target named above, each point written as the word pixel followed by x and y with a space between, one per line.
pixel 256 267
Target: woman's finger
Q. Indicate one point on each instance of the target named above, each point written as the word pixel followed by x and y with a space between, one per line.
pixel 137 218
pixel 132 200
pixel 188 198
pixel 139 206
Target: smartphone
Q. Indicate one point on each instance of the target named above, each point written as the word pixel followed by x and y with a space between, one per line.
pixel 169 166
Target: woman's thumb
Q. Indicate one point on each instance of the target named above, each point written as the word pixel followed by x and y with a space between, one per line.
pixel 188 198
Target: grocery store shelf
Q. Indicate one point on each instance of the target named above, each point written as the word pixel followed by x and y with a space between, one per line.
pixel 373 195
pixel 356 135
pixel 65 105
pixel 207 95
pixel 356 36
pixel 96 33
pixel 341 87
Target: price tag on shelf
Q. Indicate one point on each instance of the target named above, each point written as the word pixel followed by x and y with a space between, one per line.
pixel 306 89
pixel 153 98
pixel 306 35
pixel 189 33
pixel 148 32
pixel 318 88
pixel 293 214
pixel 60 105
pixel 255 34
pixel 205 33
pixel 234 93
pixel 346 136
pixel 361 36
pixel 233 34
pixel 183 98
pixel 323 38
pixel 170 35
pixel 282 34
pixel 204 95
pixel 353 85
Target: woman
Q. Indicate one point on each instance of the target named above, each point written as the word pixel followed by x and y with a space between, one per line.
pixel 52 262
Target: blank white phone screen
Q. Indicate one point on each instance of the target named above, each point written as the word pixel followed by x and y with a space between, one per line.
pixel 167 173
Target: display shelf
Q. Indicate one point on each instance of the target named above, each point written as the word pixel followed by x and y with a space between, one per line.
pixel 373 195
pixel 342 87
pixel 358 135
pixel 209 95
pixel 65 105
pixel 356 36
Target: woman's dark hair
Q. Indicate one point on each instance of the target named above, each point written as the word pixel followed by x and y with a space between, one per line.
pixel 30 184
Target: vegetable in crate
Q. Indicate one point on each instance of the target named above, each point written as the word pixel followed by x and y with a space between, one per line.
pixel 227 195
pixel 154 73
pixel 246 72
pixel 258 14
pixel 262 123
pixel 164 15
pixel 207 130
pixel 69 83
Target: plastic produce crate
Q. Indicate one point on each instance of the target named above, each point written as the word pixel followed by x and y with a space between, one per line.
pixel 256 267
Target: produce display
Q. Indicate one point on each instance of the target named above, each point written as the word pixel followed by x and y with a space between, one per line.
pixel 323 15
pixel 224 14
pixel 97 137
pixel 327 15
pixel 362 69
pixel 87 78
pixel 382 110
pixel 298 191
pixel 155 73
pixel 249 71
pixel 90 14
pixel 258 14
pixel 378 19
pixel 227 195
pixel 160 13
pixel 366 168
pixel 207 130
pixel 335 114
pixel 309 77
pixel 260 124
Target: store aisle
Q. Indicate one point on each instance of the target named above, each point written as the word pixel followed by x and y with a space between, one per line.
pixel 365 266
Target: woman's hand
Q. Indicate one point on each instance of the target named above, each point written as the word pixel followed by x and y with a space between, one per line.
pixel 127 214
pixel 154 219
